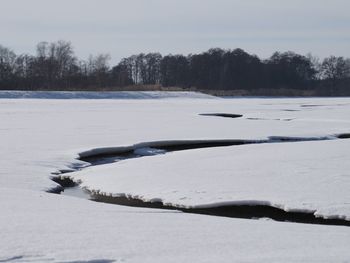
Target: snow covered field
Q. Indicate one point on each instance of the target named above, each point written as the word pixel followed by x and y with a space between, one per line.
pixel 39 137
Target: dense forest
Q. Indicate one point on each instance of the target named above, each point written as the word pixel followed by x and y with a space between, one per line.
pixel 56 67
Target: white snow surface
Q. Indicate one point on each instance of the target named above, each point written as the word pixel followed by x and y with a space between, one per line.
pixel 41 227
pixel 41 136
pixel 303 176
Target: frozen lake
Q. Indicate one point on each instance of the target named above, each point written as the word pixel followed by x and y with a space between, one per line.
pixel 183 151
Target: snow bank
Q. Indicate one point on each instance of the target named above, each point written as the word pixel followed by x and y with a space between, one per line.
pixel 300 176
pixel 9 94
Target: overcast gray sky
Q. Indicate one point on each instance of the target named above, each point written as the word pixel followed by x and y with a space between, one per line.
pixel 125 27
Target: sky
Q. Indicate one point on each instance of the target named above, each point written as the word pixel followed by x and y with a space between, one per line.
pixel 125 27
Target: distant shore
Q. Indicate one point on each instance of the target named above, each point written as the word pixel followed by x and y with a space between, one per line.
pixel 220 93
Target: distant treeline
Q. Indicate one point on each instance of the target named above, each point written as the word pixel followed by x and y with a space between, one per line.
pixel 56 67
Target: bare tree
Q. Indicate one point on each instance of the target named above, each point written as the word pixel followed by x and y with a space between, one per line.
pixel 62 54
pixel 42 49
pixel 7 61
pixel 334 70
pixel 98 68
